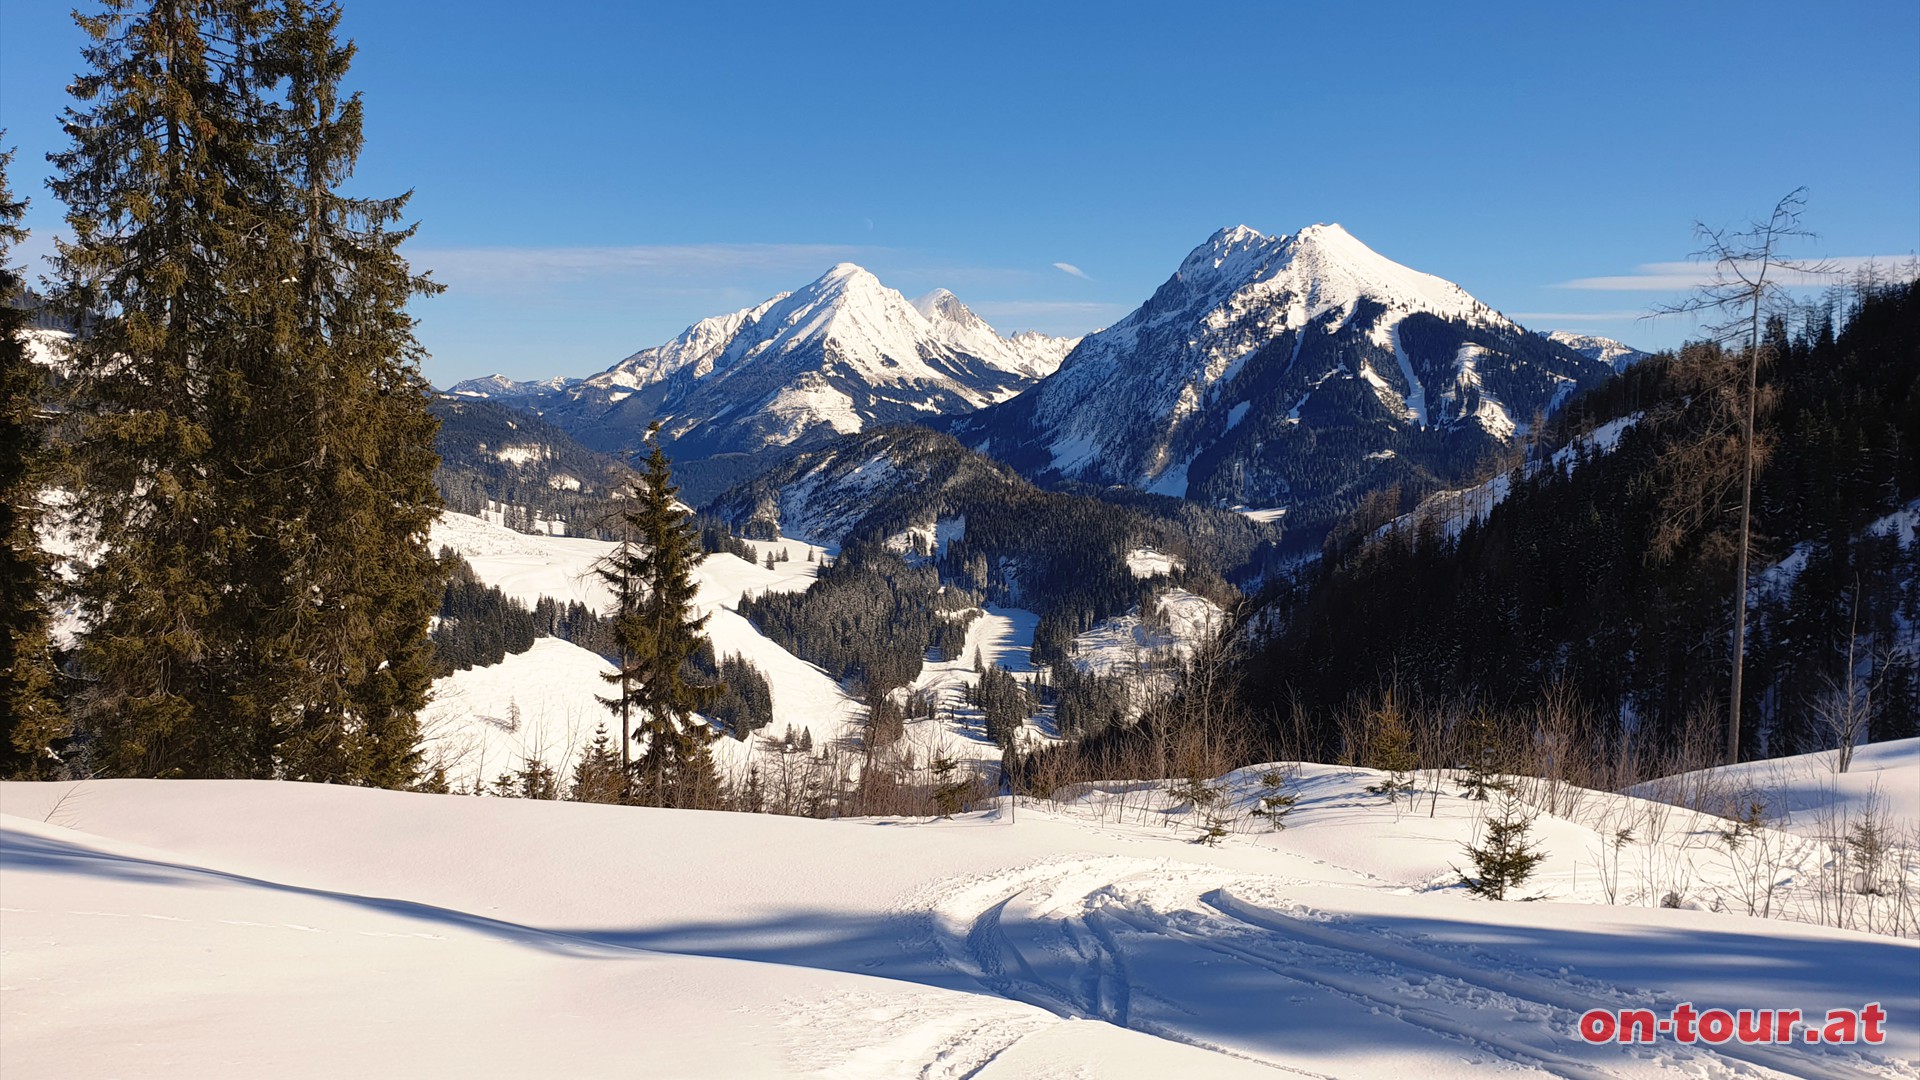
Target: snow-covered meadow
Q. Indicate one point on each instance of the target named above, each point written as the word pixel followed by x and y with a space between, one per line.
pixel 181 928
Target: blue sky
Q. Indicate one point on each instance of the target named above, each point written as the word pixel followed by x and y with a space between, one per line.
pixel 590 178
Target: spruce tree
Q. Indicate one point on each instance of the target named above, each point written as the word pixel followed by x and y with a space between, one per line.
pixel 166 187
pixel 29 710
pixel 364 582
pixel 1506 855
pixel 596 775
pixel 658 636
pixel 254 449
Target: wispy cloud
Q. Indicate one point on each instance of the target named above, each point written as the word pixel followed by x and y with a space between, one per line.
pixel 1678 276
pixel 511 267
pixel 1069 268
pixel 1549 318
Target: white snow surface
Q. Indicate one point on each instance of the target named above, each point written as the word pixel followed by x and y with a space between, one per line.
pixel 1807 795
pixel 1146 563
pixel 1149 646
pixel 243 929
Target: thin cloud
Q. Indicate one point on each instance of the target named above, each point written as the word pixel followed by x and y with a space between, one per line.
pixel 1678 276
pixel 1069 268
pixel 1529 318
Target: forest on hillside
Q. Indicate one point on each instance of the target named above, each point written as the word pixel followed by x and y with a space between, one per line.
pixel 1611 573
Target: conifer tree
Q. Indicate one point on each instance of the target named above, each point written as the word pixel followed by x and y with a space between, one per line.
pixel 596 776
pixel 363 581
pixel 1506 856
pixel 163 186
pixel 29 709
pixel 658 636
pixel 253 448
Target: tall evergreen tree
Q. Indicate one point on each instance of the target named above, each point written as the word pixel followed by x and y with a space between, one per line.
pixel 659 635
pixel 29 710
pixel 254 450
pixel 363 581
pixel 161 187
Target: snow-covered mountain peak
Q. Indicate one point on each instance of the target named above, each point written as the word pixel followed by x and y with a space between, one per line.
pixel 1606 350
pixel 1344 269
pixel 838 354
pixel 942 304
pixel 846 277
pixel 1255 371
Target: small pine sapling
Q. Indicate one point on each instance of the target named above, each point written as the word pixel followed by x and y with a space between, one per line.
pixel 1206 800
pixel 1392 753
pixel 1868 842
pixel 1744 825
pixel 1483 770
pixel 1275 802
pixel 1506 855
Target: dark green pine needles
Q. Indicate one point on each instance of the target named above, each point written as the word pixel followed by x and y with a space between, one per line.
pixel 658 636
pixel 253 449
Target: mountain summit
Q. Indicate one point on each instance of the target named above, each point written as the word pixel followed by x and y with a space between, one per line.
pixel 1293 371
pixel 838 355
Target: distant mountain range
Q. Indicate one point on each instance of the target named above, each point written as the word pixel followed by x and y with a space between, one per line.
pixel 1294 374
pixel 838 356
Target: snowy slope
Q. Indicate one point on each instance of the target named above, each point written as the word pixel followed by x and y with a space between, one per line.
pixel 553 690
pixel 1807 795
pixel 1251 373
pixel 839 355
pixel 556 685
pixel 183 928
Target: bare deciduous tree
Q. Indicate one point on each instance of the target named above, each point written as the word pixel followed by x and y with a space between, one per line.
pixel 1749 280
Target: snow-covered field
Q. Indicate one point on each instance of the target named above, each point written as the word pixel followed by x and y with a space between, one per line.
pixel 184 928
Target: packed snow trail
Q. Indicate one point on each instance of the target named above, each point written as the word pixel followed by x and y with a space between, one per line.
pixel 1161 948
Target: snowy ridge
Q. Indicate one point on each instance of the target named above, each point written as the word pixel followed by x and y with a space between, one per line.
pixel 1606 350
pixel 1451 512
pixel 839 355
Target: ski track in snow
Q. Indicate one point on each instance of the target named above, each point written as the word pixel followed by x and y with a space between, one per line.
pixel 1117 940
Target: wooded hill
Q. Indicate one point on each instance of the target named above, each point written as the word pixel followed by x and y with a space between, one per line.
pixel 1614 571
pixel 928 528
pixel 494 456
